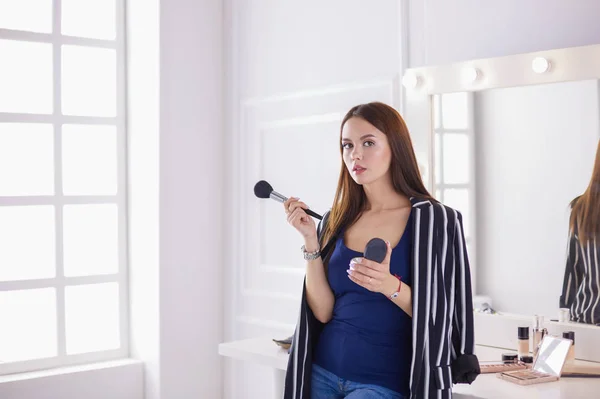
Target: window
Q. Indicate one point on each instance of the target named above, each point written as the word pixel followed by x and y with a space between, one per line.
pixel 454 158
pixel 63 291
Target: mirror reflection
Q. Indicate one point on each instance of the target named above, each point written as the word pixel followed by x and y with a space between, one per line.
pixel 518 163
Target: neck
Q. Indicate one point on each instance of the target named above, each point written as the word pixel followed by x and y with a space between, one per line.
pixel 381 196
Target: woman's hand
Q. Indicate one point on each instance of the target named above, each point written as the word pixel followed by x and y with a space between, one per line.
pixel 296 216
pixel 375 277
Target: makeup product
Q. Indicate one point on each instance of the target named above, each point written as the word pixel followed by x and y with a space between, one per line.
pixel 527 359
pixel 548 365
pixel 523 341
pixel 570 335
pixel 495 367
pixel 564 315
pixel 510 358
pixel 581 370
pixel 538 333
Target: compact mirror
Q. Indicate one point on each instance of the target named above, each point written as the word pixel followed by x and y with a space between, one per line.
pixel 552 355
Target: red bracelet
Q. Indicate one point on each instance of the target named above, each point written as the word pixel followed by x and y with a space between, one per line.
pixel 395 294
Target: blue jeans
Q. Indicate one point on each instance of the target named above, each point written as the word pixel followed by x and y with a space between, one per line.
pixel 326 385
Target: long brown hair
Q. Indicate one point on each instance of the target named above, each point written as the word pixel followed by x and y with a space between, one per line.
pixel 350 198
pixel 585 209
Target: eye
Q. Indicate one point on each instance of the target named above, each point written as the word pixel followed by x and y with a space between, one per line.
pixel 346 145
pixel 369 143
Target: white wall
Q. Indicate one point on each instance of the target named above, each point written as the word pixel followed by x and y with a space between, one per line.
pixel 444 31
pixel 114 380
pixel 535 149
pixel 176 194
pixel 191 195
pixel 143 133
pixel 295 68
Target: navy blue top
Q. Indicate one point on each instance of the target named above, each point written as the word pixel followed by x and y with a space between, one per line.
pixel 369 338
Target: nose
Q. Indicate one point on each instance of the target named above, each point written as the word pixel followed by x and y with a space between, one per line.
pixel 356 153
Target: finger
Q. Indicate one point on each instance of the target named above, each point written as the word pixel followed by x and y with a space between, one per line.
pixel 369 283
pixel 287 203
pixel 388 255
pixel 370 264
pixel 296 216
pixel 365 270
pixel 292 217
pixel 297 204
pixel 372 277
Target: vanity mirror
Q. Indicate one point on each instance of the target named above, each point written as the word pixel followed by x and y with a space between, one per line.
pixel 510 142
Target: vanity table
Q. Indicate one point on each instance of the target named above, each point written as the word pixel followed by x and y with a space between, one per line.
pixel 263 351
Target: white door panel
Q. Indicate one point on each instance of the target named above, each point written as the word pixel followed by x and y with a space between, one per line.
pixel 287 133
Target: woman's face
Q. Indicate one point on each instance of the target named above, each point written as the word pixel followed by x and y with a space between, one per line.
pixel 366 151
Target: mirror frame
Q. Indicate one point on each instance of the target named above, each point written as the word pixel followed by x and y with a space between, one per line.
pixel 526 69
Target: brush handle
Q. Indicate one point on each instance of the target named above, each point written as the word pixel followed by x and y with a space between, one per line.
pixel 313 214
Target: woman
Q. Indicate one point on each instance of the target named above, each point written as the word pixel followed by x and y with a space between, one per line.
pixel 580 285
pixel 396 329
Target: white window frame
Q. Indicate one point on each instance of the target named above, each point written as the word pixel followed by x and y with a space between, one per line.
pixel 58 200
pixel 440 185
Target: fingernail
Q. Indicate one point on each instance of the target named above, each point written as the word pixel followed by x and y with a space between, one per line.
pixel 349 271
pixel 351 266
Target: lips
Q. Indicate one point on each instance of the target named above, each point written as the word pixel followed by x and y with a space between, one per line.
pixel 358 169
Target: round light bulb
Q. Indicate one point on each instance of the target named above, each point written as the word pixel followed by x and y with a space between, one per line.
pixel 410 80
pixel 540 65
pixel 470 75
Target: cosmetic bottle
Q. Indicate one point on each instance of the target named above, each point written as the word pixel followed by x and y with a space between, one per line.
pixel 538 333
pixel 528 359
pixel 523 341
pixel 564 315
pixel 570 335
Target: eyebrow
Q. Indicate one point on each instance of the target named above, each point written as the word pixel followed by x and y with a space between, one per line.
pixel 362 138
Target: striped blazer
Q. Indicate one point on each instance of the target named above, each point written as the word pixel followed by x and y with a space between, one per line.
pixel 442 323
pixel 580 292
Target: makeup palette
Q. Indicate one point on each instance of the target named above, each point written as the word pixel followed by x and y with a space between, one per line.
pixel 501 367
pixel 548 364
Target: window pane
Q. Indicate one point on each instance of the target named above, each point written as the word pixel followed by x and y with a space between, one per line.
pixel 26 159
pixel 89 160
pixel 436 111
pixel 456 158
pixel 438 158
pixel 26 77
pixel 90 18
pixel 458 198
pixel 90 239
pixel 18 15
pixel 27 243
pixel 92 317
pixel 28 324
pixel 89 81
pixel 454 111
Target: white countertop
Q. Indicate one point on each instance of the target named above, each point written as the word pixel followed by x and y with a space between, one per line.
pixel 264 351
pixel 261 350
pixel 489 386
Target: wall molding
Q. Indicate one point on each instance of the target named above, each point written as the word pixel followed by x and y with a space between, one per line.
pixel 257 115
